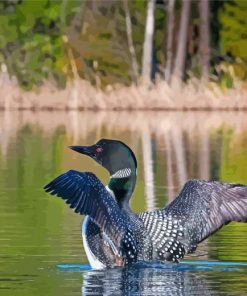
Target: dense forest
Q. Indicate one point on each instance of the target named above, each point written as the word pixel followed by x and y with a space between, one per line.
pixel 122 42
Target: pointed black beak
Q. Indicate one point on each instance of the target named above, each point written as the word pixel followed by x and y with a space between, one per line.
pixel 87 150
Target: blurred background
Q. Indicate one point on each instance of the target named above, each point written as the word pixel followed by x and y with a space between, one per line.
pixel 168 78
pixel 100 54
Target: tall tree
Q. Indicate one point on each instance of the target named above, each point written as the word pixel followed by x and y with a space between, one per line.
pixel 181 44
pixel 134 64
pixel 204 39
pixel 169 38
pixel 148 43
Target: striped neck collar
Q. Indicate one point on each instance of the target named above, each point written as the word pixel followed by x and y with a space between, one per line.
pixel 124 173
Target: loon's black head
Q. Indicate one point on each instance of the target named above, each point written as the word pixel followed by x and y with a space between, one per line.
pixel 113 155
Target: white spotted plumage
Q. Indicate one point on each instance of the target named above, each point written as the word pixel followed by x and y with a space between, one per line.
pixel 164 232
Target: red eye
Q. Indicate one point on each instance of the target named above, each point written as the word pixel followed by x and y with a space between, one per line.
pixel 99 149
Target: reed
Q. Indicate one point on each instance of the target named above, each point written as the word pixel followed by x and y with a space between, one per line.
pixel 81 95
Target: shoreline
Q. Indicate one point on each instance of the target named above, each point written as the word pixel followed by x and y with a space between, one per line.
pixel 81 96
pixel 78 124
pixel 191 109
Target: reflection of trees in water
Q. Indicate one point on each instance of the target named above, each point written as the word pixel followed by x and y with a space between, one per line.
pixel 178 146
pixel 198 157
pixel 75 126
pixel 204 156
pixel 169 168
pixel 183 159
pixel 5 131
pixel 144 281
pixel 158 122
pixel 148 168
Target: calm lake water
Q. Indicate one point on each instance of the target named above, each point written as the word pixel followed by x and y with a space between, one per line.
pixel 41 250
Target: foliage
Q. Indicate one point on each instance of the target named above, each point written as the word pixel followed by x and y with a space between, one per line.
pixel 31 40
pixel 104 53
pixel 33 47
pixel 233 37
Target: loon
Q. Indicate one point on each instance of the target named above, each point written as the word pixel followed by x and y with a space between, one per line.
pixel 113 235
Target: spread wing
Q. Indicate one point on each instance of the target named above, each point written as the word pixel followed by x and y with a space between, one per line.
pixel 204 207
pixel 200 209
pixel 87 195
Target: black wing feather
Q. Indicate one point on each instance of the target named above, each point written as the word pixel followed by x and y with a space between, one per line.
pixel 200 209
pixel 84 192
pixel 205 207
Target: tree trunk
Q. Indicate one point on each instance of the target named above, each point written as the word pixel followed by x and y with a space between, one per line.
pixel 169 39
pixel 148 43
pixel 73 102
pixel 204 39
pixel 134 63
pixel 178 73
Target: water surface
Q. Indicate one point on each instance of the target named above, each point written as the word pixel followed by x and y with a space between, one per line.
pixel 39 232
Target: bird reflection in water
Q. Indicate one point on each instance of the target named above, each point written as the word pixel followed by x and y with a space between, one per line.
pixel 171 280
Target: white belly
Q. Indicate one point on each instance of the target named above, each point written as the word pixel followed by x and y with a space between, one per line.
pixel 94 262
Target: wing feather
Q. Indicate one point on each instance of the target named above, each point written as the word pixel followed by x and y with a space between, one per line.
pixel 200 209
pixel 207 206
pixel 88 196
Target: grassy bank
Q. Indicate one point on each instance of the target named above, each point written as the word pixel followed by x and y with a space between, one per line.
pixel 83 96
